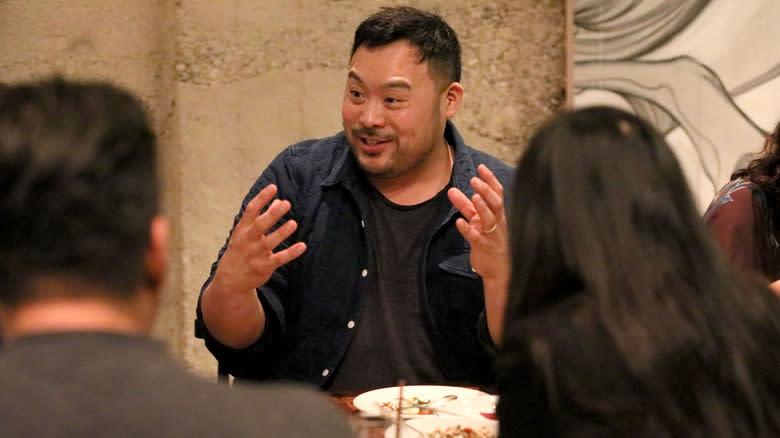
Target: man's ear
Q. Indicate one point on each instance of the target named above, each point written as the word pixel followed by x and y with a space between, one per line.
pixel 453 96
pixel 157 254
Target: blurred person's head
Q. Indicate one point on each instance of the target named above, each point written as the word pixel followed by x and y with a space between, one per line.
pixel 78 199
pixel 601 209
pixel 402 87
pixel 594 186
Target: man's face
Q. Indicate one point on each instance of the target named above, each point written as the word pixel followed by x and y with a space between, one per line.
pixel 394 112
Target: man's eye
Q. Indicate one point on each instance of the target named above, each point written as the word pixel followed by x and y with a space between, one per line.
pixel 355 93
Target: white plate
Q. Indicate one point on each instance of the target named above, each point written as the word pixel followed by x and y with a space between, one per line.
pixel 482 407
pixel 430 423
pixel 369 402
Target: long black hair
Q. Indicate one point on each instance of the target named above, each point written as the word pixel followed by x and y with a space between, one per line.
pixel 601 207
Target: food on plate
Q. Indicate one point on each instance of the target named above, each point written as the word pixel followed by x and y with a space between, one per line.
pixel 415 406
pixel 460 432
pixel 489 415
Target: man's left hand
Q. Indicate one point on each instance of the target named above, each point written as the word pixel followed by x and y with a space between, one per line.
pixel 484 226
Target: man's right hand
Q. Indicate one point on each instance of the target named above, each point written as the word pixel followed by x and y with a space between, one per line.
pixel 231 310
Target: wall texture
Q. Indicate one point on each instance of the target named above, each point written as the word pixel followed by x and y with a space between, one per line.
pixel 231 83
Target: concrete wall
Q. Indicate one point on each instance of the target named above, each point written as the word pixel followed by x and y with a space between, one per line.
pixel 230 84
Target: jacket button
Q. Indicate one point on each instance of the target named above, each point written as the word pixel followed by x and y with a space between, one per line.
pixel 364 273
pixel 325 372
pixel 351 324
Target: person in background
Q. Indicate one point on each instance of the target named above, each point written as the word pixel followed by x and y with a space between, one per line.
pixel 623 317
pixel 82 261
pixel 745 214
pixel 361 272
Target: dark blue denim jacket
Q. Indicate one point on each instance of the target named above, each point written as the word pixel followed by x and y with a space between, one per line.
pixel 313 303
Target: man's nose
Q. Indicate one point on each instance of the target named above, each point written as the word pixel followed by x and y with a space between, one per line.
pixel 372 115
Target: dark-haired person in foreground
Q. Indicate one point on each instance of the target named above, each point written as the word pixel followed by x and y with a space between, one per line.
pixel 745 214
pixel 82 259
pixel 623 318
pixel 362 272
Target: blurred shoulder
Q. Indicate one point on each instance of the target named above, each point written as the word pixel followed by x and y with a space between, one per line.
pixel 281 410
pixel 566 334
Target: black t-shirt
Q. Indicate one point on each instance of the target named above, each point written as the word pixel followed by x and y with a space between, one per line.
pixel 391 340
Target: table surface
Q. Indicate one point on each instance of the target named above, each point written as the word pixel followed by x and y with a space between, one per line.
pixel 344 402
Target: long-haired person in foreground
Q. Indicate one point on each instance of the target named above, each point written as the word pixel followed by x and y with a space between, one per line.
pixel 623 319
pixel 82 262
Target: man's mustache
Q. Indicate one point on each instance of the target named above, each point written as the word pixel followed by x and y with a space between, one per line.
pixel 370 132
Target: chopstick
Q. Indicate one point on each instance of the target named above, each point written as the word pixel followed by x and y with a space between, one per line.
pixel 414 429
pixel 401 384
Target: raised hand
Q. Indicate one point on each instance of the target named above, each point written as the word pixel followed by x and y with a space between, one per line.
pixel 231 310
pixel 484 226
pixel 249 260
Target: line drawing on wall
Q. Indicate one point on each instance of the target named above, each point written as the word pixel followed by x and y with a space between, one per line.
pixel 706 73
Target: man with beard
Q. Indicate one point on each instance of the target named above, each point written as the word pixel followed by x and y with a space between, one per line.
pixel 347 266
